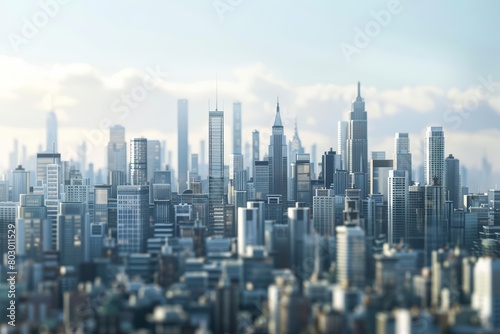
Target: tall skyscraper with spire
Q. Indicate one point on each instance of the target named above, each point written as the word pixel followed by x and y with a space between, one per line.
pixel 51 133
pixel 357 136
pixel 294 148
pixel 216 172
pixel 182 145
pixel 278 160
pixel 237 128
pixel 295 145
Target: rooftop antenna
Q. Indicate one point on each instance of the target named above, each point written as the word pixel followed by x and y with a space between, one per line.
pixel 216 93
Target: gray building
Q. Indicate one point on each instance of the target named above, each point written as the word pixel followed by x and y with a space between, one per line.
pixel 138 161
pixel 452 182
pixel 216 173
pixel 278 160
pixel 357 136
pixel 402 155
pixel 182 145
pixel 398 206
pixel 132 218
pixel 237 128
pixel 117 150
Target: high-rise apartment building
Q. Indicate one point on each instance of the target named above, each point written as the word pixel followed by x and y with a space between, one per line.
pixel 138 161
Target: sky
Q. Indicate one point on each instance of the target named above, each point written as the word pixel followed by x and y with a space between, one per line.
pixel 420 63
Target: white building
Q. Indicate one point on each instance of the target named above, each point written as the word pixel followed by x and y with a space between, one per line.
pixel 350 255
pixel 486 296
pixel 247 229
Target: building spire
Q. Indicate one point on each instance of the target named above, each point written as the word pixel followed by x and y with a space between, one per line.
pixel 216 93
pixel 277 120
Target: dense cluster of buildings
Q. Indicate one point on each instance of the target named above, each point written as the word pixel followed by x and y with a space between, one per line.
pixel 271 243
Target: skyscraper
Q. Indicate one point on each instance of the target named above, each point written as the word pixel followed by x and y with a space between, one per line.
pixel 32 227
pixel 435 231
pixel 350 265
pixel 486 296
pixel 71 230
pixel 357 136
pixel 261 179
pixel 44 159
pixel 182 145
pixel 278 160
pixel 295 145
pixel 302 179
pixel 398 206
pixel 329 164
pixel 342 127
pixel 300 227
pixel 154 162
pixel 434 155
pixel 132 218
pixel 248 219
pixel 255 149
pixel 402 155
pixel 117 149
pixel 452 184
pixel 138 161
pixel 20 182
pixel 216 172
pixel 324 212
pixel 51 130
pixel 237 128
pixel 416 217
pixel 52 197
pixel 379 172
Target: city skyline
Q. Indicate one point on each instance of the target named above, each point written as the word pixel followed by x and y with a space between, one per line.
pixel 426 93
pixel 232 166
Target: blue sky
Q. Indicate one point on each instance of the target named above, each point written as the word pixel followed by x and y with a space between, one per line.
pixel 428 58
